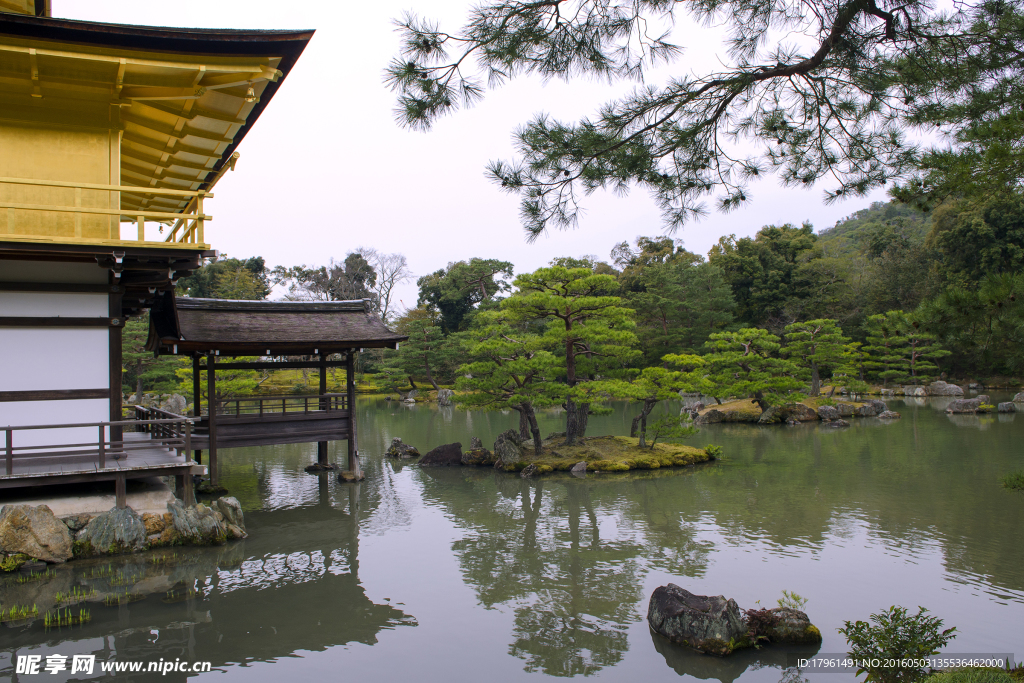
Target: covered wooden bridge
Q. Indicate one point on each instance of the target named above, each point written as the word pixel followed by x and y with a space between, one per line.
pixel 269 335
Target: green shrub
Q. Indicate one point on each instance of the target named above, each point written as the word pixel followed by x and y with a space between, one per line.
pixel 972 676
pixel 792 600
pixel 713 451
pixel 1014 480
pixel 895 634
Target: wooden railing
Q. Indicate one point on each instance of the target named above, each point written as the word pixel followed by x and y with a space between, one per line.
pixel 173 434
pixel 190 221
pixel 276 405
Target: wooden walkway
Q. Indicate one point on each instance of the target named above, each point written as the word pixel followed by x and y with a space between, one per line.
pixel 137 455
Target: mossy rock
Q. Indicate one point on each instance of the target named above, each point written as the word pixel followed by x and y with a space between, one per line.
pixel 608 454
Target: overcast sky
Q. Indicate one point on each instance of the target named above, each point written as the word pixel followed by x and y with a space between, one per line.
pixel 326 169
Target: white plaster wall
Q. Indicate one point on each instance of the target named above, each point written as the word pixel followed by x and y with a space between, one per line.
pixel 48 358
pixel 33 304
pixel 24 413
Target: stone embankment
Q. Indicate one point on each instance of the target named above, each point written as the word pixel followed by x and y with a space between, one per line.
pixel 834 413
pixel 30 534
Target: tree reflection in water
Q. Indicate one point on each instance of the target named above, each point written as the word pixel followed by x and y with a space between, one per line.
pixel 566 553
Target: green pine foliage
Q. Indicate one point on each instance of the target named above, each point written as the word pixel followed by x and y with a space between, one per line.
pixel 818 345
pixel 748 363
pixel 585 325
pixel 508 368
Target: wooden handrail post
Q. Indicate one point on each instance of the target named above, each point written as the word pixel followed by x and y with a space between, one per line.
pixel 10 451
pixel 102 446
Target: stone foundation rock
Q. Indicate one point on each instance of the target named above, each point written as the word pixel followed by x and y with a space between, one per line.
pixel 118 530
pixel 34 531
pixel 196 525
pixel 1006 407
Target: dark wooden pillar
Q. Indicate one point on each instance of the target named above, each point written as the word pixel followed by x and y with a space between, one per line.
pixel 120 491
pixel 197 398
pixel 353 443
pixel 211 395
pixel 116 325
pixel 321 446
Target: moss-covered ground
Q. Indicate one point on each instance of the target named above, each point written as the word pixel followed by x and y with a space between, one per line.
pixel 608 454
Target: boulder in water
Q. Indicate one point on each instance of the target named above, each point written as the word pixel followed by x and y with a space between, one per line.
pixel 507 451
pixel 444 397
pixel 401 450
pixel 828 413
pixel 443 456
pixel 478 457
pixel 529 471
pixel 711 624
pixel 1006 407
pixel 889 415
pixel 963 405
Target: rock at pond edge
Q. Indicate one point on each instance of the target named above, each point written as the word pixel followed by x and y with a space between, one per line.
pixel 34 531
pixel 710 624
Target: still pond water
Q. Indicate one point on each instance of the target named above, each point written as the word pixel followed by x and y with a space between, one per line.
pixel 461 574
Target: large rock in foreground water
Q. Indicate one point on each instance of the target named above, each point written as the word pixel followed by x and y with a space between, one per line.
pixel 443 456
pixel 711 624
pixel 34 531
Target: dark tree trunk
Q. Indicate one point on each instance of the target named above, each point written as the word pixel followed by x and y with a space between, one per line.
pixel 530 415
pixel 412 383
pixel 430 377
pixel 815 380
pixel 575 421
pixel 639 427
pixel 524 422
pixel 761 402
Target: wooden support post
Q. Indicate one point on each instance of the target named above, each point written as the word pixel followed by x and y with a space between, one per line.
pixel 350 387
pixel 211 394
pixel 120 491
pixel 114 360
pixel 188 496
pixel 103 448
pixel 10 450
pixel 197 399
pixel 321 446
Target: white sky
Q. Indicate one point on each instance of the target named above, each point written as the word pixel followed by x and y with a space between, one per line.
pixel 326 169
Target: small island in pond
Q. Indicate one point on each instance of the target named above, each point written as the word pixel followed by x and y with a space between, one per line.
pixel 588 454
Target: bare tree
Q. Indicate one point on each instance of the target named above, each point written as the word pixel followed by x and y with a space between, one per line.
pixel 391 270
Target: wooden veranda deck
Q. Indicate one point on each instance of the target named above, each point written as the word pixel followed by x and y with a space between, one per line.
pixel 155 448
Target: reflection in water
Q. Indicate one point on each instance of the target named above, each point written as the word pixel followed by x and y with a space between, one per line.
pixel 561 566
pixel 687 662
pixel 293 586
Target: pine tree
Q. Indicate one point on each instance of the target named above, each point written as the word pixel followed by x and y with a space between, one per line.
pixel 921 351
pixel 817 345
pixel 886 338
pixel 508 368
pixel 747 363
pixel 657 384
pixel 586 327
pixel 427 352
